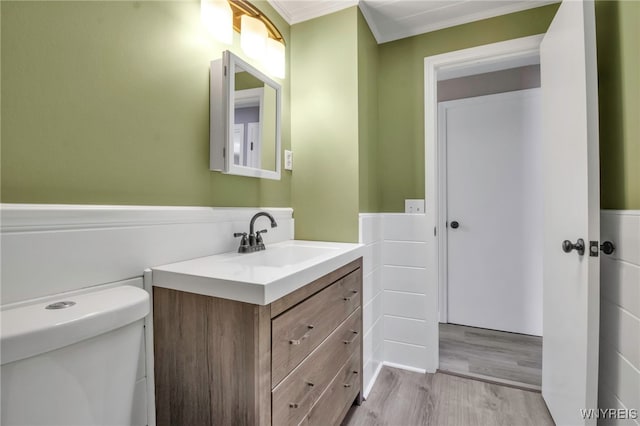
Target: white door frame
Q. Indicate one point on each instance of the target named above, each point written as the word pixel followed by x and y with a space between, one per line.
pixel 435 210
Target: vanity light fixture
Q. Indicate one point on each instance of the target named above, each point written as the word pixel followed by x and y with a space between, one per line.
pixel 253 37
pixel 217 17
pixel 260 39
pixel 275 59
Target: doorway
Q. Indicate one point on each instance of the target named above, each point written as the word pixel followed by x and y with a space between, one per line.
pixel 571 196
pixel 490 154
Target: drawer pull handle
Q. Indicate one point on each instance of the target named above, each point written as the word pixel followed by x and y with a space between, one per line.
pixel 353 339
pixel 310 384
pixel 304 336
pixel 349 298
pixel 355 371
pixel 347 385
pixel 293 405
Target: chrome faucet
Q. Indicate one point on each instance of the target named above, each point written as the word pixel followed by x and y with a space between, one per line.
pixel 254 241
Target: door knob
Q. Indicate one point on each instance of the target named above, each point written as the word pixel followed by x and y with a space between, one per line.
pixel 567 246
pixel 607 247
pixel 455 224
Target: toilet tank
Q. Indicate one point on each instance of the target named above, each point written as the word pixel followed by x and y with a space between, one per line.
pixel 74 365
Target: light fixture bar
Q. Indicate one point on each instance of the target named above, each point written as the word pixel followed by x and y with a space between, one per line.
pixel 243 7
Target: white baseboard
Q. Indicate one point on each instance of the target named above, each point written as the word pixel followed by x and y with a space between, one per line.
pixel 404 367
pixel 367 389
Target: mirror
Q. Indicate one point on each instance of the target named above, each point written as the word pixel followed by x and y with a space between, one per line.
pixel 245 119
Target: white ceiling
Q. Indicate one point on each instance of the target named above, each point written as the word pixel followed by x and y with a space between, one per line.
pixel 395 19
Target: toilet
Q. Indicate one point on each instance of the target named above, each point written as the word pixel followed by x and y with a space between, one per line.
pixel 72 359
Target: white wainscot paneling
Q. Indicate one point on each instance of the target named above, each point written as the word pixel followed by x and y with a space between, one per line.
pixel 371 236
pixel 373 346
pixel 371 258
pixel 405 330
pixel 409 302
pixel 413 280
pixel 405 253
pixel 405 305
pixel 372 285
pixel 370 228
pixel 405 227
pixel 372 343
pixel 619 378
pixel 623 228
pixel 372 312
pixel 49 249
pixel 619 284
pixel 618 327
pixel 406 356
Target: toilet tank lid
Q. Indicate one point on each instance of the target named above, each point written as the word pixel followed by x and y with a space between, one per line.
pixel 32 329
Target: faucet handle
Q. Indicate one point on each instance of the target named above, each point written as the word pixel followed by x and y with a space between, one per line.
pixel 244 243
pixel 259 237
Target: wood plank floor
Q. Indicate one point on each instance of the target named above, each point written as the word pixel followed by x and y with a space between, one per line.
pixel 493 355
pixel 403 398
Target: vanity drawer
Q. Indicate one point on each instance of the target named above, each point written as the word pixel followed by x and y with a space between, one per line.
pixel 339 396
pixel 298 392
pixel 298 331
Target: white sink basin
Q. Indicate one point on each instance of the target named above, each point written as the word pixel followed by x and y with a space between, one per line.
pixel 259 277
pixel 280 256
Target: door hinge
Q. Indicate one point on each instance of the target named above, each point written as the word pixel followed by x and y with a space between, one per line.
pixel 594 248
pixel 225 70
pixel 224 152
pixel 435 234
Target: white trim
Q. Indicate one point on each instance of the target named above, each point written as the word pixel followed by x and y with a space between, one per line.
pixel 369 16
pixel 282 11
pixel 367 390
pixel 621 212
pixel 465 19
pixel 149 353
pixel 505 50
pixel 317 9
pixel 46 217
pixel 404 367
pixel 313 9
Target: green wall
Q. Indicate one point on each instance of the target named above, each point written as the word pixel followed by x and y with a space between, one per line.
pixel 324 127
pixel 368 160
pixel 107 102
pixel 401 95
pixel 618 34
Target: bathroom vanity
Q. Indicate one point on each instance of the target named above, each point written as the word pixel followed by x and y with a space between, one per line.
pixel 268 338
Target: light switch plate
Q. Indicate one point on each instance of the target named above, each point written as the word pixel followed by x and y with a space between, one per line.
pixel 288 160
pixel 414 206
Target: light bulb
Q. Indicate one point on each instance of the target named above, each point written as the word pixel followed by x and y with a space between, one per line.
pixel 275 59
pixel 253 37
pixel 217 17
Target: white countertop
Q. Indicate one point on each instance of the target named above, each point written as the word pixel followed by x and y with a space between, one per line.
pixel 261 277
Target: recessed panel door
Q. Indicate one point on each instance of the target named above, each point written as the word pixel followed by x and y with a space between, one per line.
pixel 571 213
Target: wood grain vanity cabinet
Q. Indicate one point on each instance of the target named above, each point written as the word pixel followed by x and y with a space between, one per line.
pixel 295 361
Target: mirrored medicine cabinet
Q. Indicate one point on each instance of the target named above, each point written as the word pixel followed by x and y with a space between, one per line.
pixel 245 107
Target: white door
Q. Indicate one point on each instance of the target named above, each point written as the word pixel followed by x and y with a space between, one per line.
pixel 253 146
pixel 238 144
pixel 571 212
pixel 494 196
